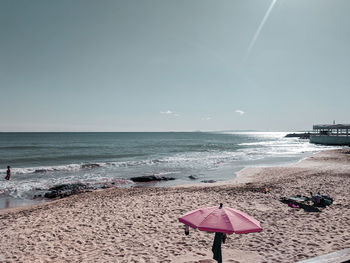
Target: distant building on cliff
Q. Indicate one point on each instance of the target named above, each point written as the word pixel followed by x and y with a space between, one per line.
pixel 331 134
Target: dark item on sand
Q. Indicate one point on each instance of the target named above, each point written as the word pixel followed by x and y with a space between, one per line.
pixel 321 200
pixel 298 198
pixel 299 201
pixel 8 173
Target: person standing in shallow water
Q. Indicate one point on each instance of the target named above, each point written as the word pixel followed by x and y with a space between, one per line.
pixel 8 173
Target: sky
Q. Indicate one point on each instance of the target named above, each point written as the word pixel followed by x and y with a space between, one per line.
pixel 184 65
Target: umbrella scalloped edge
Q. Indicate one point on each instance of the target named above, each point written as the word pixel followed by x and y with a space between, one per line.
pixel 187 223
pixel 215 230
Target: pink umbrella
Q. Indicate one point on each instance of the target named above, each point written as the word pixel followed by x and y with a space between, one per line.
pixel 221 219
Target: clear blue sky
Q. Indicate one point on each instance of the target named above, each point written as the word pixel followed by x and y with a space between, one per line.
pixel 181 65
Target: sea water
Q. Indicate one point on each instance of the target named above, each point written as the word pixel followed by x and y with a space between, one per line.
pixel 41 160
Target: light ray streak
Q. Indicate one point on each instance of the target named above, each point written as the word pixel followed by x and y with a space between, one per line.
pixel 257 33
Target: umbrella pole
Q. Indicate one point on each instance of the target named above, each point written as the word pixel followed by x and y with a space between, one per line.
pixel 216 249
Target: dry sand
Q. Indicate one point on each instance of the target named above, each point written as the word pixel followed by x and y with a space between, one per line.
pixel 140 224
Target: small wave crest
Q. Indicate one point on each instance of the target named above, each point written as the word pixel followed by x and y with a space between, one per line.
pixel 32 170
pixel 84 166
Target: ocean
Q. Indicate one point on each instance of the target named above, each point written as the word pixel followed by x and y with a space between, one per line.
pixel 42 160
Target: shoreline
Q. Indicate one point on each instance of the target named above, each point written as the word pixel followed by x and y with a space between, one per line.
pixel 246 175
pixel 8 202
pixel 140 224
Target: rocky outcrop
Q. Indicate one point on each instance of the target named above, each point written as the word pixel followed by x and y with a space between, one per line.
pixel 305 135
pixel 150 178
pixel 64 190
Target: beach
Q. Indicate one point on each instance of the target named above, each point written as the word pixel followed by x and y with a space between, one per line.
pixel 140 224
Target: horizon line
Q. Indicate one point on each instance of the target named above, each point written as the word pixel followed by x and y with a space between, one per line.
pixel 233 130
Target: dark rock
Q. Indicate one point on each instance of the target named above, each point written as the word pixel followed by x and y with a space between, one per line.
pixel 89 166
pixel 64 187
pixel 305 135
pixel 150 178
pixel 208 181
pixel 193 177
pixel 64 190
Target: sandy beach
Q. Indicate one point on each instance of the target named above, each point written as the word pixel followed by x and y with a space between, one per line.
pixel 141 224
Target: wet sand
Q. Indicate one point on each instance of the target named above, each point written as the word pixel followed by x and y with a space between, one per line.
pixel 140 224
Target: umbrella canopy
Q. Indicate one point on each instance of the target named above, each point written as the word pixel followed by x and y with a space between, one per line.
pixel 221 219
